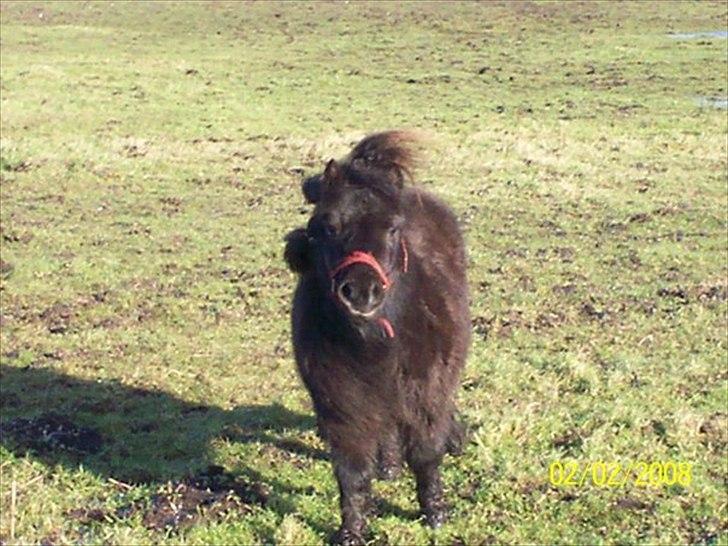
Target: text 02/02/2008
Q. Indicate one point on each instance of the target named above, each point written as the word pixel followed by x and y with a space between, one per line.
pixel 619 474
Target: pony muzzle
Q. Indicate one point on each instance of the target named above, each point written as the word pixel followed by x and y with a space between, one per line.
pixel 362 291
pixel 359 289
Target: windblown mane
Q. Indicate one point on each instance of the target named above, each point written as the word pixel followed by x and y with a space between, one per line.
pixel 391 151
pixel 382 161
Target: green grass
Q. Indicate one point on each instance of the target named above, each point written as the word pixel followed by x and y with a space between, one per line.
pixel 150 169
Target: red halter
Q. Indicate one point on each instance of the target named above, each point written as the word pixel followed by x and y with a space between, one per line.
pixel 360 257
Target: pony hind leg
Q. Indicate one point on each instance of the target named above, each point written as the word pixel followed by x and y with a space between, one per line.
pixel 457 436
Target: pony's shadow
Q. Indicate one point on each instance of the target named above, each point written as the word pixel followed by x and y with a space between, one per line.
pixel 140 436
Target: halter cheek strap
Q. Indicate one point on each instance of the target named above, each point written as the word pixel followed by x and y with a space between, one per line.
pixel 366 258
pixel 386 327
pixel 405 256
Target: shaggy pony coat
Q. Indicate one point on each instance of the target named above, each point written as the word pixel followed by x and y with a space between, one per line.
pixel 380 322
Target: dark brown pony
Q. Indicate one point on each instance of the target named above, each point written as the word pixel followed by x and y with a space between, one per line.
pixel 381 326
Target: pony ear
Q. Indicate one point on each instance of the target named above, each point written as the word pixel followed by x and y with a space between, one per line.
pixel 311 188
pixel 296 253
pixel 332 172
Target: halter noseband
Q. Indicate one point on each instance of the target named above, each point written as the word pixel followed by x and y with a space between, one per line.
pixel 368 259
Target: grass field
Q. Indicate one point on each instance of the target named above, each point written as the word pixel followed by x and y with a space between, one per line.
pixel 151 160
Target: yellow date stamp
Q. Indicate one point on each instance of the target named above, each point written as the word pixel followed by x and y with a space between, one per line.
pixel 620 474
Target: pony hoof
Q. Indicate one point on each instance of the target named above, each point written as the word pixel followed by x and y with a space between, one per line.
pixel 347 537
pixel 435 517
pixel 388 472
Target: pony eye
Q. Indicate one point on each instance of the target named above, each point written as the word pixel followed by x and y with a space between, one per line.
pixel 396 226
pixel 321 229
pixel 328 230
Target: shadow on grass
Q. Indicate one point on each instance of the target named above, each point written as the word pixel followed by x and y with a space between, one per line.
pixel 139 436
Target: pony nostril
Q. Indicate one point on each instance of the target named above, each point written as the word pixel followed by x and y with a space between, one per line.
pixel 346 291
pixel 362 298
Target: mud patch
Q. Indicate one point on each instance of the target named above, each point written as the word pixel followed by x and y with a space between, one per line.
pixel 506 324
pixel 171 205
pixel 549 319
pixel 134 148
pixel 16 237
pixel 87 516
pixel 58 318
pixel 639 218
pixel 674 293
pixel 590 310
pixel 712 292
pixel 177 505
pixel 482 326
pixel 6 269
pixel 631 503
pixel 51 432
pixel 469 491
pixel 294 452
pixel 210 495
pixel 569 440
pixel 50 540
pixel 564 289
pixel 714 432
pixel 15 166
